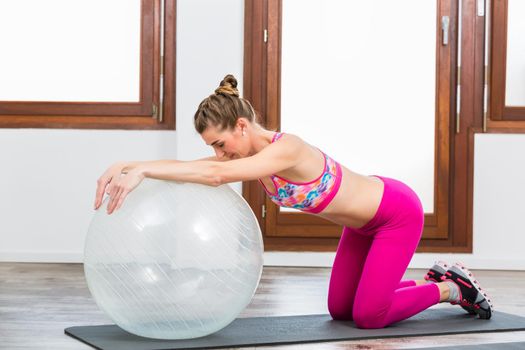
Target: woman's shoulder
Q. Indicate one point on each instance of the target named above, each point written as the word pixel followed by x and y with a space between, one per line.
pixel 293 147
pixel 286 145
pixel 290 142
pixel 296 142
pixel 290 138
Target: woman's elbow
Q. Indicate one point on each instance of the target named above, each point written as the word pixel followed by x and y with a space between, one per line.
pixel 215 181
pixel 213 177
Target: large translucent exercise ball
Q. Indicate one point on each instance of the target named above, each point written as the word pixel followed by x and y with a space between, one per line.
pixel 176 261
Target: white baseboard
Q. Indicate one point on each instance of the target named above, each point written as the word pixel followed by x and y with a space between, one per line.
pixel 299 259
pixel 472 261
pixel 42 257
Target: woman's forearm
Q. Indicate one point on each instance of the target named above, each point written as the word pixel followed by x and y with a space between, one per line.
pixel 198 171
pixel 130 165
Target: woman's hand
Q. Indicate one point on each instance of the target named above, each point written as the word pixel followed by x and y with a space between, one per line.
pixel 119 189
pixel 104 183
pixel 114 177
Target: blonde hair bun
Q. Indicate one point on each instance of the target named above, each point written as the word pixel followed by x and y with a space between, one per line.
pixel 223 108
pixel 228 86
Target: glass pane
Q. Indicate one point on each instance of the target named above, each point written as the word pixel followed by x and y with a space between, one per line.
pixel 358 81
pixel 70 50
pixel 515 79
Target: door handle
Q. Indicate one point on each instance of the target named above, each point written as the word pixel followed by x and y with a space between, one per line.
pixel 444 29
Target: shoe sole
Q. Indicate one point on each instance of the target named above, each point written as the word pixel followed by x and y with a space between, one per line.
pixel 486 306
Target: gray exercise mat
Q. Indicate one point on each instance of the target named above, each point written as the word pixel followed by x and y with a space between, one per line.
pixel 301 329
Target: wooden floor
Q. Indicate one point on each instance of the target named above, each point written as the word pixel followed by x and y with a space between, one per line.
pixel 37 301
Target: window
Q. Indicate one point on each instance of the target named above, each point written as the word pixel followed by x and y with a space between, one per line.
pixel 507 65
pixel 97 64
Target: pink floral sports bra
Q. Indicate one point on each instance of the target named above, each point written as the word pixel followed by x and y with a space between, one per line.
pixel 312 196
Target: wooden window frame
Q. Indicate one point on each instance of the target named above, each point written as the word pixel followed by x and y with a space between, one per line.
pixel 500 118
pixel 259 78
pixel 109 115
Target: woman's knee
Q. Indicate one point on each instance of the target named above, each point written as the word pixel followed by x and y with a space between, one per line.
pixel 369 318
pixel 340 315
pixel 339 311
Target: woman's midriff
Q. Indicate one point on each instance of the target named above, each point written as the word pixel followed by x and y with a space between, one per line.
pixel 357 200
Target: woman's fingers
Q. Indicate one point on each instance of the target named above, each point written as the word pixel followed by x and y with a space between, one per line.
pixel 118 196
pixel 119 188
pixel 122 196
pixel 114 197
pixel 101 188
pixel 106 183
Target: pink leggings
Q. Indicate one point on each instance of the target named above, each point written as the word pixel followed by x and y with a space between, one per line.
pixel 366 284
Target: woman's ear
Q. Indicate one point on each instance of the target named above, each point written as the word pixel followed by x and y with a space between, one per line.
pixel 242 124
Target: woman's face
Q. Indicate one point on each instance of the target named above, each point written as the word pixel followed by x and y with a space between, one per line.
pixel 228 144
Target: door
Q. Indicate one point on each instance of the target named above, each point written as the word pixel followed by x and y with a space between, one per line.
pixel 367 82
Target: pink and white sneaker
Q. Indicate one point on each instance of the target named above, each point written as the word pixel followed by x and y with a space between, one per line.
pixel 472 296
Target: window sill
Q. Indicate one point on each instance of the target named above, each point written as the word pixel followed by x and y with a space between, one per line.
pixel 86 122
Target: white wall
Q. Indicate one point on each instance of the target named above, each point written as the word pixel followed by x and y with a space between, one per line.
pixel 210 44
pixel 48 183
pixel 48 176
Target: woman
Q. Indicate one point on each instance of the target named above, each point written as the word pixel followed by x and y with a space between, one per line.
pixel 382 217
